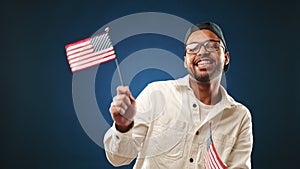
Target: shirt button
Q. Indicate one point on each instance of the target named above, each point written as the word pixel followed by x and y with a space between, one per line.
pixel 197 132
pixel 117 137
pixel 194 105
pixel 191 160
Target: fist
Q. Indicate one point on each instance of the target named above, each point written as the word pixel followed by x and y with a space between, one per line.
pixel 123 108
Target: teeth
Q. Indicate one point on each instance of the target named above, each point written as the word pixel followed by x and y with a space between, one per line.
pixel 203 63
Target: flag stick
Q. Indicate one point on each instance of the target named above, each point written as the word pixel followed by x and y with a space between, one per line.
pixel 117 64
pixel 119 72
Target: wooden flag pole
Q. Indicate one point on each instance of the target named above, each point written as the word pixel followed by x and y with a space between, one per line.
pixel 117 64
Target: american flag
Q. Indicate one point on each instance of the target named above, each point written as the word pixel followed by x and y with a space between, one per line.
pixel 90 52
pixel 211 157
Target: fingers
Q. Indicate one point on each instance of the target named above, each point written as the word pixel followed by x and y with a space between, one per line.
pixel 121 102
pixel 116 110
pixel 123 90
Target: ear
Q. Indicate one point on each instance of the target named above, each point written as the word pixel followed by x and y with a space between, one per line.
pixel 184 62
pixel 227 58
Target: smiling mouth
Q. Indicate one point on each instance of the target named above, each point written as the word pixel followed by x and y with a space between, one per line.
pixel 203 63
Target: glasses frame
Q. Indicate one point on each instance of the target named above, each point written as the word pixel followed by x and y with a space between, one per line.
pixel 204 44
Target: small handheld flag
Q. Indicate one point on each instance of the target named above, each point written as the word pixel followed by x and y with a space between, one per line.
pixel 90 52
pixel 211 157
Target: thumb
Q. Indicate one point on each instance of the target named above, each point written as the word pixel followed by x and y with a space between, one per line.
pixel 132 99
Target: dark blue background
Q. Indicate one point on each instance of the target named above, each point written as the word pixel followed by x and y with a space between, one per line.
pixel 39 127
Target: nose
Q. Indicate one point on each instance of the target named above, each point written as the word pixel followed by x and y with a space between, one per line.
pixel 202 51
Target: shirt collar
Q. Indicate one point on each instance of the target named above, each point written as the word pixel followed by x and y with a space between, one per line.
pixel 227 100
pixel 183 82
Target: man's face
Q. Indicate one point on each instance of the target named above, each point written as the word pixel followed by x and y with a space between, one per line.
pixel 205 56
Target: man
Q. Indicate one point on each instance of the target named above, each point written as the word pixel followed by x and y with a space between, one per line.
pixel 190 122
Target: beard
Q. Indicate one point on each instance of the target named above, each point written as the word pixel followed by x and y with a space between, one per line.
pixel 208 76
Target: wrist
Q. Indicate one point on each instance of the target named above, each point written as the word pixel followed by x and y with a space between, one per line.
pixel 124 129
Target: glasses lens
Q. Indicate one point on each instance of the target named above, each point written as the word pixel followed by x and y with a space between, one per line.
pixel 192 48
pixel 212 46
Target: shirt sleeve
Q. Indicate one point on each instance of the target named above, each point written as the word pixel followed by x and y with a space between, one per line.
pixel 240 156
pixel 122 148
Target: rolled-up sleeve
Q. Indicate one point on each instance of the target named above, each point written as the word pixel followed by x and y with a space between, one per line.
pixel 122 148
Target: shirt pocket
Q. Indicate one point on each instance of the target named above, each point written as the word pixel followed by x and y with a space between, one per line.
pixel 168 140
pixel 223 144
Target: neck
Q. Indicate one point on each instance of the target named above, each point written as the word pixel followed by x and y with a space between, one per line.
pixel 207 92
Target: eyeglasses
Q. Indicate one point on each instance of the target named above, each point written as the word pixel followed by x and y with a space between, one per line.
pixel 209 46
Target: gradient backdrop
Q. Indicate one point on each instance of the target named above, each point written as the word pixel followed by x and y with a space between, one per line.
pixel 39 126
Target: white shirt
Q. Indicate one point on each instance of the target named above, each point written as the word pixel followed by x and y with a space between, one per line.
pixel 169 131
